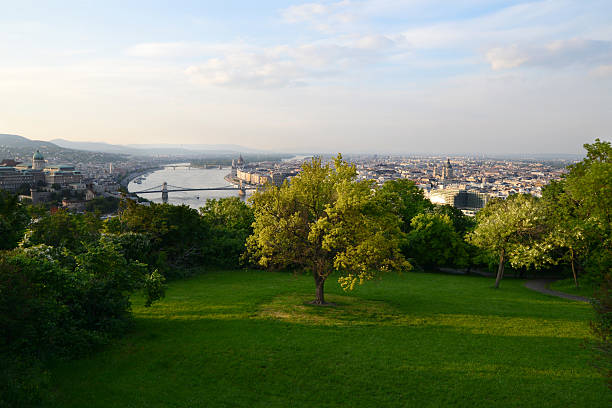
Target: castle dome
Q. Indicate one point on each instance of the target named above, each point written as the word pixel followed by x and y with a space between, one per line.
pixel 38 156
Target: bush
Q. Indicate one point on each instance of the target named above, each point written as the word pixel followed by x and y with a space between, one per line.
pixel 57 305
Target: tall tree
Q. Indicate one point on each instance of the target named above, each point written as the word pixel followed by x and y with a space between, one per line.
pixel 325 221
pixel 578 210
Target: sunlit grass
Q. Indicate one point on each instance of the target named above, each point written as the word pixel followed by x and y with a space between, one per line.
pixel 249 338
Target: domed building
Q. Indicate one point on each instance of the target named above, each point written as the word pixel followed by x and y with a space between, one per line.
pixel 38 161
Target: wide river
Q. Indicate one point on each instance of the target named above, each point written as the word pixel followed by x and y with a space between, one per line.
pixel 190 178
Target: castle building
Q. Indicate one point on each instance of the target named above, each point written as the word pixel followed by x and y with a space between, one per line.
pixel 38 161
pixel 12 178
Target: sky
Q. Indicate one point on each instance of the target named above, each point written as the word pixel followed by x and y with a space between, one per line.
pixel 354 76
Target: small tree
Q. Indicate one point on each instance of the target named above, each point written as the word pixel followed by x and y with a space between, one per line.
pixel 512 228
pixel 325 221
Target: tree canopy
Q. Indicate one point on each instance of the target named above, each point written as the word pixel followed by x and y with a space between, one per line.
pixel 325 221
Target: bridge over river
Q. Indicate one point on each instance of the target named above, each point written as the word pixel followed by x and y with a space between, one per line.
pixel 166 188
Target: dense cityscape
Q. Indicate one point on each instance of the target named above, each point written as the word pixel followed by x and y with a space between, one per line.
pixel 464 182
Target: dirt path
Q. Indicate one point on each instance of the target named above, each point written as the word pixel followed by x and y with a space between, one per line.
pixel 540 285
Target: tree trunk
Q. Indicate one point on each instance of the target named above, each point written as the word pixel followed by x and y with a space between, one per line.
pixel 320 292
pixel 574 268
pixel 500 268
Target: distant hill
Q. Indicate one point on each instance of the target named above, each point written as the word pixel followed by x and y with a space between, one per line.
pixel 217 148
pixel 157 149
pixel 21 148
pixel 96 147
pixel 16 141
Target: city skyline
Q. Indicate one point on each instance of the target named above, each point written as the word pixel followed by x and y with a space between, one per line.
pixel 374 76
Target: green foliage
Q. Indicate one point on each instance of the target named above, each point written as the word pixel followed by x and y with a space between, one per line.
pixel 13 220
pixel 325 221
pixel 61 229
pixel 230 222
pixel 104 205
pixel 407 200
pixel 512 229
pixel 433 241
pixel 177 233
pixel 579 215
pixel 55 304
pixel 462 224
pixel 154 287
pixel 134 246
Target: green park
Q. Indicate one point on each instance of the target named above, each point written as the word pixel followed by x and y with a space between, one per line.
pixel 326 291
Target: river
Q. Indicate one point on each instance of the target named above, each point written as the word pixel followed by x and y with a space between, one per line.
pixel 190 178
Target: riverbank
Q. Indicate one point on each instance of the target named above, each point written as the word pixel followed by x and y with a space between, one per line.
pixel 125 181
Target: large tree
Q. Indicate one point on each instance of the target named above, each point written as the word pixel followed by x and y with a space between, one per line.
pixel 325 221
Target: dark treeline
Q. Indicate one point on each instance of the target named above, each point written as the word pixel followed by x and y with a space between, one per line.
pixel 66 279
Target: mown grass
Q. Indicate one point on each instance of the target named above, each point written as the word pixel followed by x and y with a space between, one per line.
pixel 249 339
pixel 568 286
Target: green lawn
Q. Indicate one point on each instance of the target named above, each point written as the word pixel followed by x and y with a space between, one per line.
pixel 247 339
pixel 568 286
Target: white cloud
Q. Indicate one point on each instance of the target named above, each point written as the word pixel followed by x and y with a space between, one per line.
pixel 557 54
pixel 602 71
pixel 285 66
pixel 504 58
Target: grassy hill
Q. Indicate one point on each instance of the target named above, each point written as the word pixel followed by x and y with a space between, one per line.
pixel 242 338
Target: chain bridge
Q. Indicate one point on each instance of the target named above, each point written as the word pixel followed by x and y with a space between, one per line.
pixel 166 188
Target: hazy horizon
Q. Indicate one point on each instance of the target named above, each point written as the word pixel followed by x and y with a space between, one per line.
pixel 372 76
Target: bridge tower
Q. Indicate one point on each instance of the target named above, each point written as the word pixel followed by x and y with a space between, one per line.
pixel 165 192
pixel 241 190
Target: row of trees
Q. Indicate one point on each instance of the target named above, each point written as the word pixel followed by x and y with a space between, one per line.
pixel 570 225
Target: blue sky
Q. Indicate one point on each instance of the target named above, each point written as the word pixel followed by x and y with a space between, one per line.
pixel 399 76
